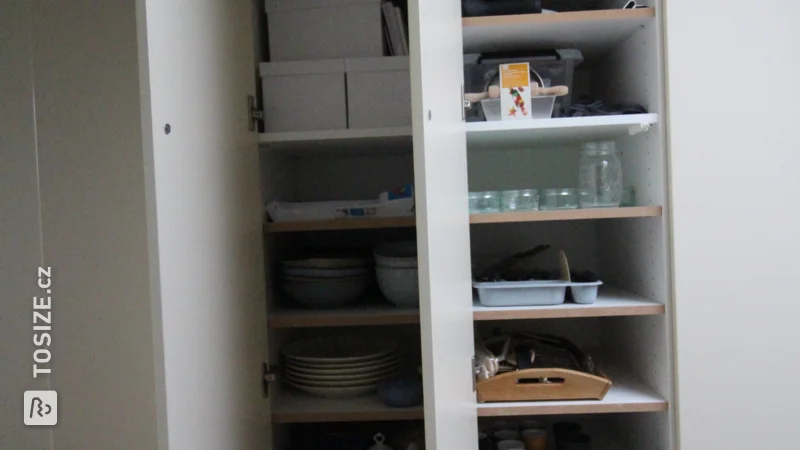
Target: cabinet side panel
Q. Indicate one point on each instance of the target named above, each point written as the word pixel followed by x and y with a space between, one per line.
pixel 634 254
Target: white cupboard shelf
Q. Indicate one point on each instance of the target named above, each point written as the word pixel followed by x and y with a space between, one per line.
pixel 503 217
pixel 624 396
pixel 291 406
pixel 526 133
pixel 495 134
pixel 611 302
pixel 366 141
pixel 593 32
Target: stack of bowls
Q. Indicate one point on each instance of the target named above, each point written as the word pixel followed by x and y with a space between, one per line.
pixel 397 273
pixel 327 282
pixel 340 366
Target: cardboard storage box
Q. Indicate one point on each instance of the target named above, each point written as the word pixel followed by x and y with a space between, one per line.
pixel 304 95
pixel 378 92
pixel 324 29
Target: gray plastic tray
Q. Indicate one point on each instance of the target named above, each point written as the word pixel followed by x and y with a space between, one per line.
pixel 534 292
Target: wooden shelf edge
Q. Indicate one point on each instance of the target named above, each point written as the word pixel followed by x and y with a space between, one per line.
pixel 361 416
pixel 503 217
pixel 286 319
pixel 569 313
pixel 322 135
pixel 566 408
pixel 564 17
pixel 568 214
pixel 340 224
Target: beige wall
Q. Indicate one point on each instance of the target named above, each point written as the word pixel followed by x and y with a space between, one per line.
pixel 20 245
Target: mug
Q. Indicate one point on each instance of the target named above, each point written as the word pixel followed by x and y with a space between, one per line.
pixel 510 444
pixel 505 435
pixel 535 439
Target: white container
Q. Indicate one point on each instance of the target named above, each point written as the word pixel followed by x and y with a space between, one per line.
pixel 541 108
pixel 534 292
pixel 304 95
pixel 319 29
pixel 378 92
pixel 584 293
pixel 521 293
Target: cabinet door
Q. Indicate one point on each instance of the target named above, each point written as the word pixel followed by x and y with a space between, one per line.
pixel 734 173
pixel 205 220
pixel 440 174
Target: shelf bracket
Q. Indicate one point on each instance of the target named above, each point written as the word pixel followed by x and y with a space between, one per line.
pixel 639 128
pixel 254 114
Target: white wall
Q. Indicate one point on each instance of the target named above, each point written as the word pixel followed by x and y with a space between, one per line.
pixel 735 162
pixel 94 223
pixel 20 244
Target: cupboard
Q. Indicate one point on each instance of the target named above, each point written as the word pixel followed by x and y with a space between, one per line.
pixel 198 310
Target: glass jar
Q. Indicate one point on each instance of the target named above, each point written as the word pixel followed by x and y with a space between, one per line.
pixel 600 175
pixel 473 203
pixel 560 198
pixel 488 202
pixel 522 200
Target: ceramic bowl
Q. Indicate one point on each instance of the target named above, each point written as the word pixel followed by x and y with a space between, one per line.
pixel 397 255
pixel 400 286
pixel 401 392
pixel 326 292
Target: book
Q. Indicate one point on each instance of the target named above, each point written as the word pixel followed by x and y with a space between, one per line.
pixel 389 15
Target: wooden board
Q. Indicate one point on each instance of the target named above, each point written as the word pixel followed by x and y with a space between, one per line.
pixel 574 386
pixel 568 214
pixel 503 217
pixel 291 406
pixel 593 32
pixel 610 302
pixel 367 141
pixel 353 316
pixel 624 396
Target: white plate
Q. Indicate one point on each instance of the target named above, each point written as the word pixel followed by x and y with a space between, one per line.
pixel 329 371
pixel 344 383
pixel 338 350
pixel 335 391
pixel 389 370
pixel 357 366
pixel 327 263
pixel 325 273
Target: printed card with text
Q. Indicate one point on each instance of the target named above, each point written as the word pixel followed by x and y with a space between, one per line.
pixel 515 92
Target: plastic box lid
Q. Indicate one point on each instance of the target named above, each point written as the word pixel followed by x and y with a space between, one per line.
pixel 276 69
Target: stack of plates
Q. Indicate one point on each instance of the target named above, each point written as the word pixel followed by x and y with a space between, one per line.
pixel 327 282
pixel 340 366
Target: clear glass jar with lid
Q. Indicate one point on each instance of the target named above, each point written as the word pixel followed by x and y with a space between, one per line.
pixel 600 175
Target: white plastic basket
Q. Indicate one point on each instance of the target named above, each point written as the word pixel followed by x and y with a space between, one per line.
pixel 541 107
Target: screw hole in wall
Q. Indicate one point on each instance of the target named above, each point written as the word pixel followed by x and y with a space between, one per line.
pixel 167 129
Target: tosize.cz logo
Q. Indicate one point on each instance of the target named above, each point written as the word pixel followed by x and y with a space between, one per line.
pixel 41 407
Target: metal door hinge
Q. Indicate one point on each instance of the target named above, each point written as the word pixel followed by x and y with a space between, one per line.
pixel 254 114
pixel 267 377
pixel 465 105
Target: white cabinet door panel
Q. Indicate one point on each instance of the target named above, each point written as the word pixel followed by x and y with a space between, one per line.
pixel 735 161
pixel 206 241
pixel 440 174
